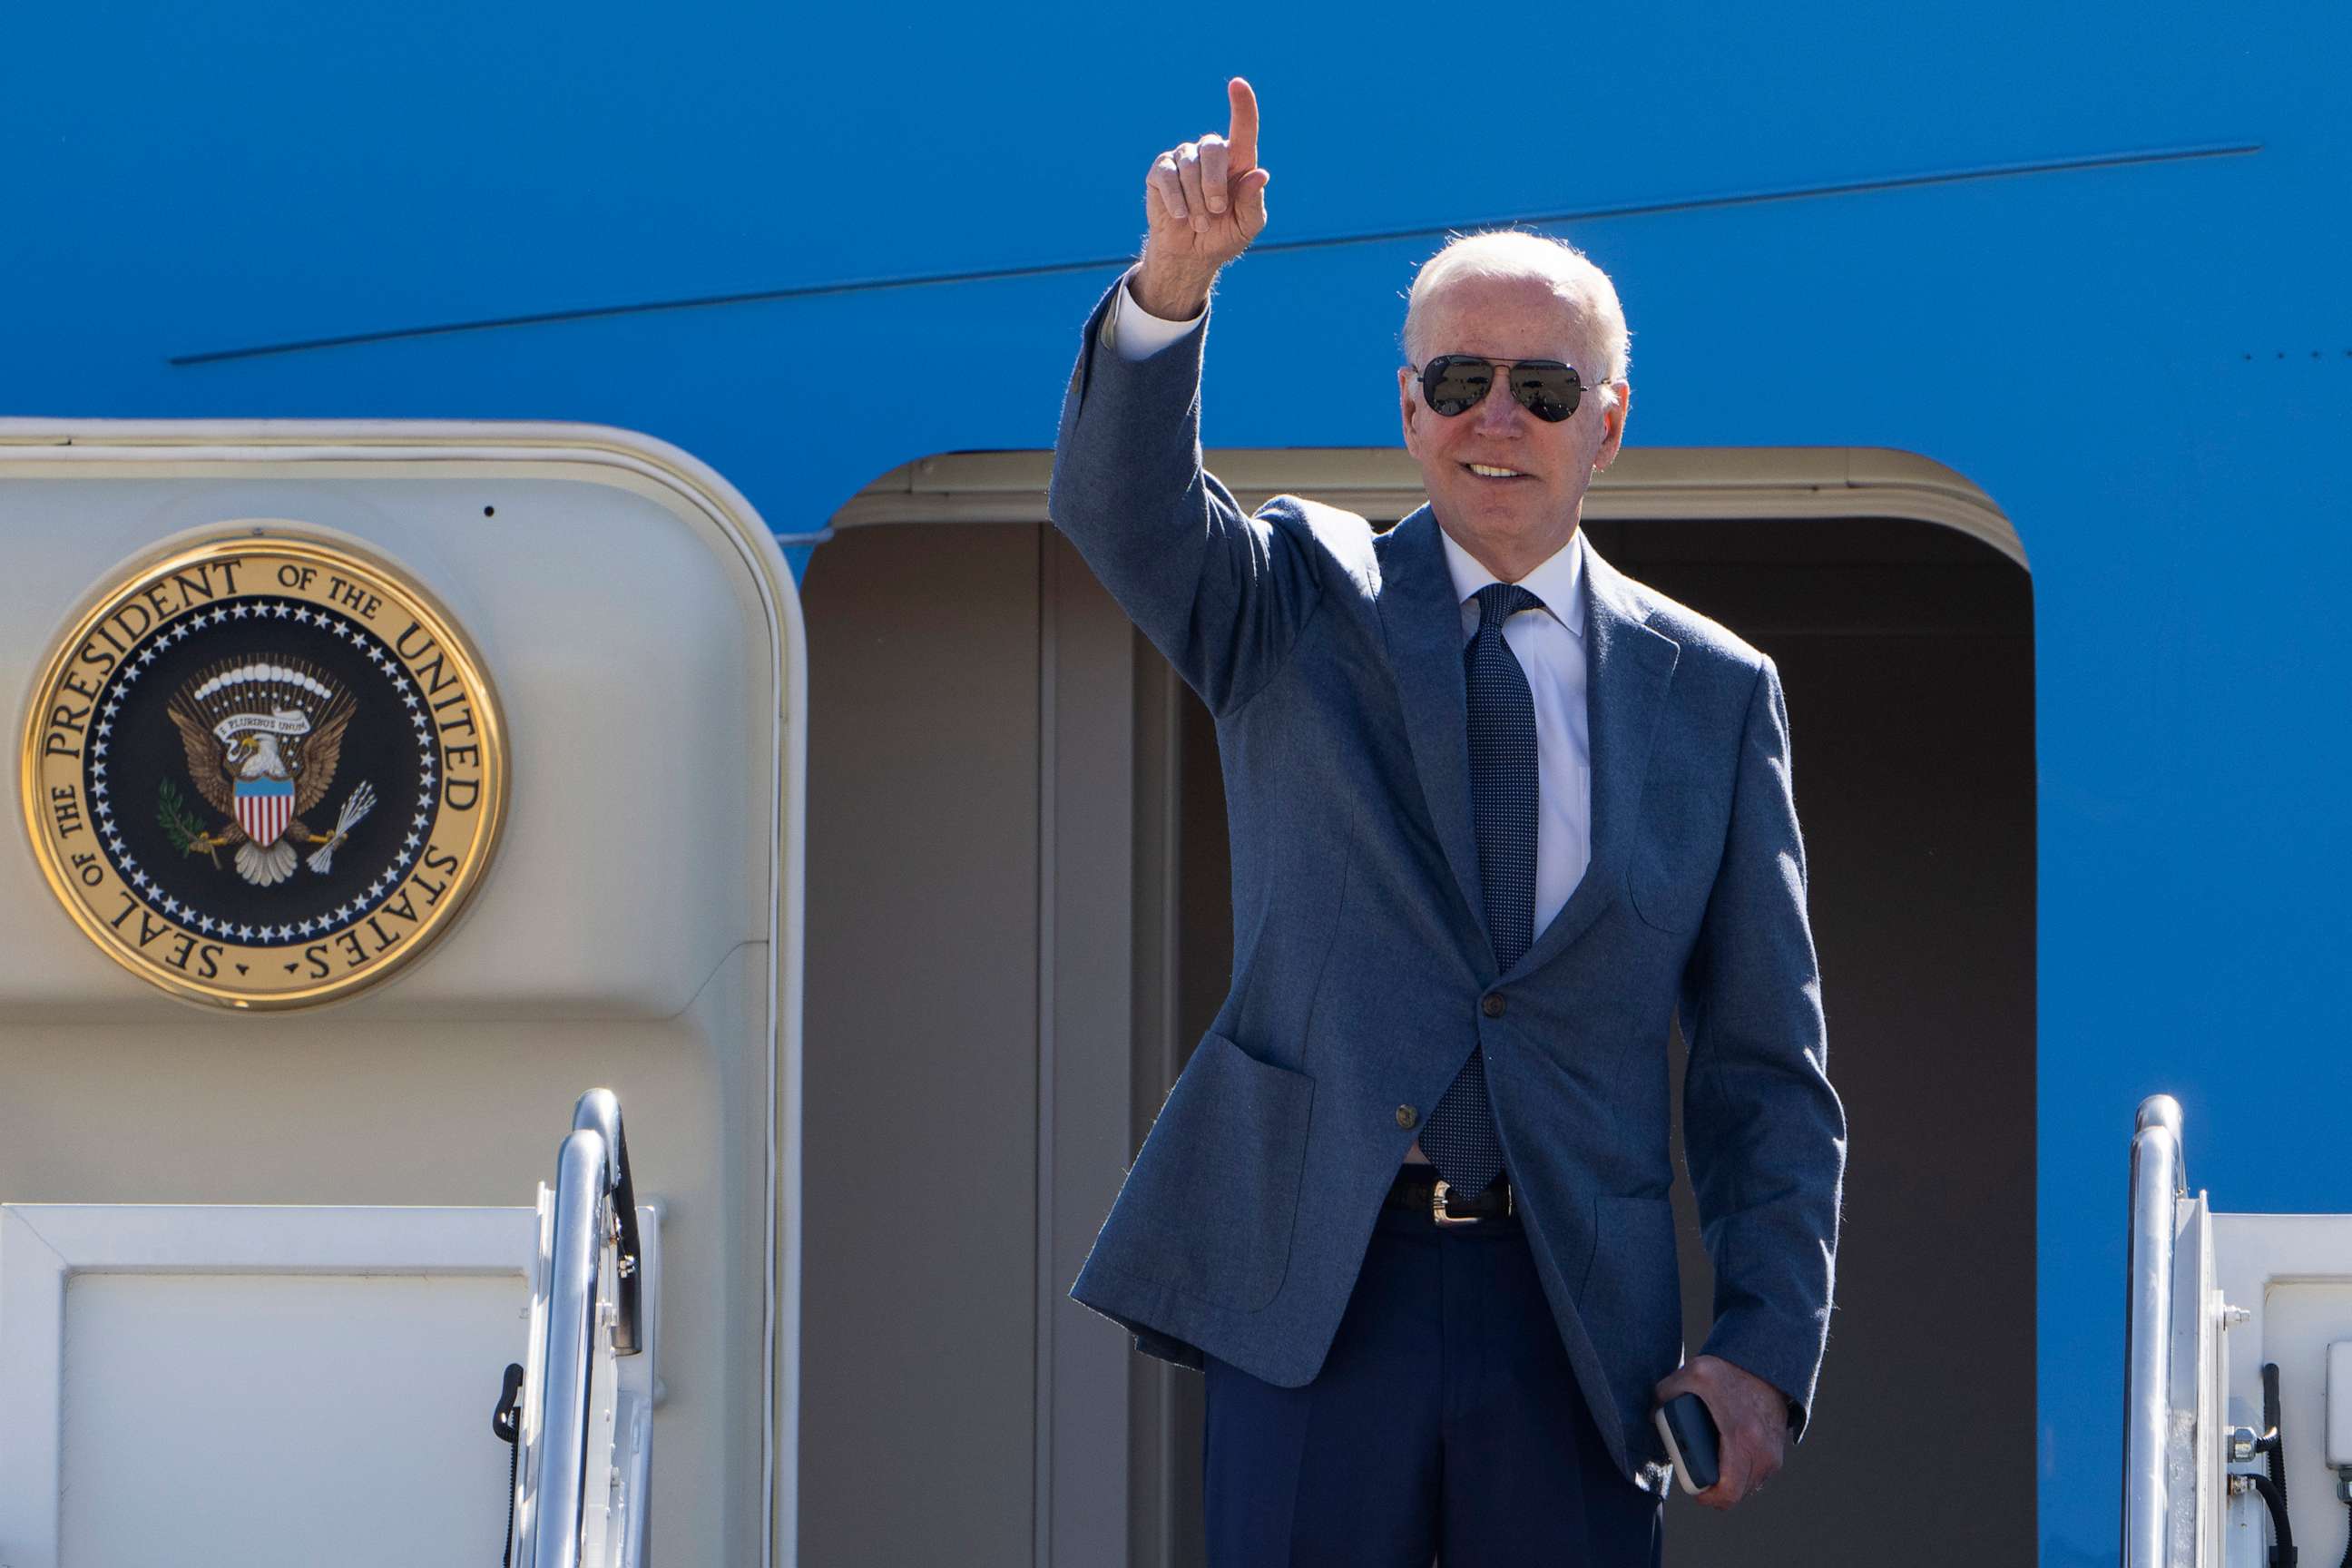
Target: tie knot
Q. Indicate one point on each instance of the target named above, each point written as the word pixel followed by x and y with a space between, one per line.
pixel 1498 601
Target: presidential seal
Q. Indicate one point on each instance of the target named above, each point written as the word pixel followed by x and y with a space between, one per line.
pixel 264 772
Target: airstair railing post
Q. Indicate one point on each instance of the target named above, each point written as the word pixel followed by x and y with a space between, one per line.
pixel 600 1109
pixel 581 1188
pixel 2158 1178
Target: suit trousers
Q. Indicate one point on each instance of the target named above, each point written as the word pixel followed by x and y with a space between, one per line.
pixel 1445 1426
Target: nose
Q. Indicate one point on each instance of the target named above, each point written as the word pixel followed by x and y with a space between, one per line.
pixel 1498 412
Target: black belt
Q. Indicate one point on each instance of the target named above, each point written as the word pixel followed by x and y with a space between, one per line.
pixel 1421 1190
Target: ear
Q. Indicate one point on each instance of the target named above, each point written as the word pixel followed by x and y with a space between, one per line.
pixel 1405 401
pixel 1613 438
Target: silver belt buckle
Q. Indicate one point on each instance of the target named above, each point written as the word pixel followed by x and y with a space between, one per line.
pixel 1437 1205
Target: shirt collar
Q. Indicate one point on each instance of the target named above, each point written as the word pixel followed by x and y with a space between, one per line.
pixel 1559 581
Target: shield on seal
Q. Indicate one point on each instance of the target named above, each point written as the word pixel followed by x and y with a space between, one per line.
pixel 263 807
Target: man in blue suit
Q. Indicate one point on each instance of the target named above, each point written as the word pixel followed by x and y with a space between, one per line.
pixel 1496 811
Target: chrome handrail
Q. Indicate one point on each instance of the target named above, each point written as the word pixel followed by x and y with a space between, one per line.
pixel 595 1206
pixel 600 1109
pixel 561 1484
pixel 2159 1179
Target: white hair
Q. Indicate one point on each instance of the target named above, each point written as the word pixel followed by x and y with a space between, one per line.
pixel 1518 252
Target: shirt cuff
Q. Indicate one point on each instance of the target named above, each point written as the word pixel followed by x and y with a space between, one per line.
pixel 1135 332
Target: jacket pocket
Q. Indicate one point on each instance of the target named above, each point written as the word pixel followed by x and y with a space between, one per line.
pixel 1631 1301
pixel 1661 906
pixel 1676 853
pixel 1213 1196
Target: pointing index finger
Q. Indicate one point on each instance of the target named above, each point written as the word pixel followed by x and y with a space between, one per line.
pixel 1242 134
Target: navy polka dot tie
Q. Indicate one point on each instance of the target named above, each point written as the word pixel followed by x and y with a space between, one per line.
pixel 1505 798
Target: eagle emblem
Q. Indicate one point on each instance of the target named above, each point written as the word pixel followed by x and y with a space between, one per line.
pixel 262 737
pixel 193 732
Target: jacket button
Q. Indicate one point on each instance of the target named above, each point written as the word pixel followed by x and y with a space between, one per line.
pixel 1493 1004
pixel 1407 1116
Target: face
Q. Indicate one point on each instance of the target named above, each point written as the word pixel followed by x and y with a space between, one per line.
pixel 1511 523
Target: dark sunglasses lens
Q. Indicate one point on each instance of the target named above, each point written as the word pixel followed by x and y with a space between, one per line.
pixel 1550 392
pixel 1455 383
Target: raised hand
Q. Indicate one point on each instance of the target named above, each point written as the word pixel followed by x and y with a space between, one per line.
pixel 1205 201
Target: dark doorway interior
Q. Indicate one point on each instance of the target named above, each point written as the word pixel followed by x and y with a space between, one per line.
pixel 1906 652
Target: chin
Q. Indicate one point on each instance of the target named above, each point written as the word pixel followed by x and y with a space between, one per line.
pixel 1522 509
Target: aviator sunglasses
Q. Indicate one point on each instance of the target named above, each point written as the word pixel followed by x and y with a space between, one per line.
pixel 1454 383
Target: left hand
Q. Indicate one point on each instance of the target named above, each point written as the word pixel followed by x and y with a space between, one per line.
pixel 1751 1420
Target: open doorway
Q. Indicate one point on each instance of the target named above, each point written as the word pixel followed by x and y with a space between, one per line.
pixel 1906 649
pixel 1017 859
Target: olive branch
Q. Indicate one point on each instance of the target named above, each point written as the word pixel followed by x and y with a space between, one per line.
pixel 181 827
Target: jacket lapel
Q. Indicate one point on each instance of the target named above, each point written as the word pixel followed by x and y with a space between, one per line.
pixel 1421 622
pixel 1627 670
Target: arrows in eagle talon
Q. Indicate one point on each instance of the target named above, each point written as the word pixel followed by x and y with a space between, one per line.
pixel 358 803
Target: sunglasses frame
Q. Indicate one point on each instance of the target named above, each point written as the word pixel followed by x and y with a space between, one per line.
pixel 1436 369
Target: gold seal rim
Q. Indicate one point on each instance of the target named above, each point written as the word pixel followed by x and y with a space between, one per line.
pixel 275 538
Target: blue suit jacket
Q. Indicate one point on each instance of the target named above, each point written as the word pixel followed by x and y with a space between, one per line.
pixel 1331 657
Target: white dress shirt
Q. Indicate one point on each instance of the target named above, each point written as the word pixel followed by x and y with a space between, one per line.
pixel 1135 332
pixel 1549 645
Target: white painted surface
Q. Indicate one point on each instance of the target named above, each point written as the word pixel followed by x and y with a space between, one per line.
pixel 253 1418
pixel 613 636
pixel 244 1385
pixel 2339 1403
pixel 2293 1272
pixel 640 928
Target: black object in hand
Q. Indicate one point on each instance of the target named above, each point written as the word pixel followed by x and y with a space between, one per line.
pixel 1690 1435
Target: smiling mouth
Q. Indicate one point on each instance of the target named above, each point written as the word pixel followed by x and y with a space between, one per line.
pixel 1495 474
